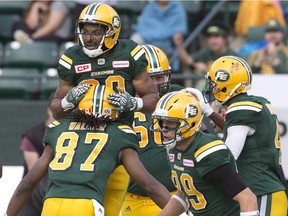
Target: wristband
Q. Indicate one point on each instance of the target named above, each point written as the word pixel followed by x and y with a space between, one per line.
pixel 139 103
pixel 183 203
pixel 251 213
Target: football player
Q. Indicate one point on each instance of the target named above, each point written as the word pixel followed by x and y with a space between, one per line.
pixel 251 132
pixel 202 167
pixel 80 154
pixel 101 56
pixel 151 153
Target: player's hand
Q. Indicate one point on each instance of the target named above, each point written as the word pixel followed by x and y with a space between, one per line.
pixel 124 101
pixel 73 97
pixel 206 108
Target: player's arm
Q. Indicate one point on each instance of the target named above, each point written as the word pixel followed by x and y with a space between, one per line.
pixel 61 91
pixel 236 136
pixel 147 91
pixel 65 102
pixel 226 178
pixel 158 193
pixel 175 205
pixel 26 186
pixel 206 108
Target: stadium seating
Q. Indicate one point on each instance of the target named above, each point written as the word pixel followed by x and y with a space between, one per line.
pixel 6 21
pixel 1 53
pixel 37 54
pixel 19 83
pixel 49 83
pixel 13 7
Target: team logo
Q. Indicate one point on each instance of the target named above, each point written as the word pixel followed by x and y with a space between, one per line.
pixel 83 68
pixel 120 64
pixel 188 163
pixel 101 61
pixel 116 21
pixel 191 110
pixel 179 155
pixel 222 76
pixel 171 157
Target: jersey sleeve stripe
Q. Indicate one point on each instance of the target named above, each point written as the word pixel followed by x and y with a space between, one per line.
pixel 126 130
pixel 139 54
pixel 67 59
pixel 53 124
pixel 246 103
pixel 135 50
pixel 243 108
pixel 64 64
pixel 207 146
pixel 209 151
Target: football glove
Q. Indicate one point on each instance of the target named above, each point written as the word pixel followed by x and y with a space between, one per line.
pixel 125 101
pixel 74 95
pixel 206 108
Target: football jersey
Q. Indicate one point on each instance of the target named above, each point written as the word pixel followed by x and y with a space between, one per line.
pixel 123 63
pixel 258 163
pixel 203 155
pixel 84 158
pixel 152 153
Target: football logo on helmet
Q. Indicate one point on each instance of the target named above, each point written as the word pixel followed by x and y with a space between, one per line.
pixel 192 110
pixel 116 22
pixel 222 76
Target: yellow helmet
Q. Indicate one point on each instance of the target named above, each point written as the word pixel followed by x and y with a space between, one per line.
pixel 95 101
pixel 158 65
pixel 228 76
pixel 101 14
pixel 182 108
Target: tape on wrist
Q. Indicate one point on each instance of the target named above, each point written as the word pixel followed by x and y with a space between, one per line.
pixel 251 213
pixel 183 203
pixel 139 103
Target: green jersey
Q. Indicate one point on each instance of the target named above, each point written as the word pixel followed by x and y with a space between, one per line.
pixel 258 163
pixel 151 153
pixel 205 154
pixel 84 158
pixel 123 63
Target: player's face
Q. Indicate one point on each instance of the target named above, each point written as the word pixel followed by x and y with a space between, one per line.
pixel 158 80
pixel 92 35
pixel 168 129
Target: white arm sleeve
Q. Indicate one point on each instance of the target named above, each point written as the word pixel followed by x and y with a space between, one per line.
pixel 236 138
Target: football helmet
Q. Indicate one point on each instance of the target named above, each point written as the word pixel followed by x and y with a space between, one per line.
pixel 227 77
pixel 95 102
pixel 158 65
pixel 101 14
pixel 182 108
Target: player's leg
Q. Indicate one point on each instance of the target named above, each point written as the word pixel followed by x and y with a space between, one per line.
pixel 115 191
pixel 274 204
pixel 71 207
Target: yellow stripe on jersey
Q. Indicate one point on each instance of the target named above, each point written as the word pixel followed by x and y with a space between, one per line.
pixel 244 105
pixel 208 149
pixel 135 50
pixel 54 124
pixel 65 61
pixel 126 129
